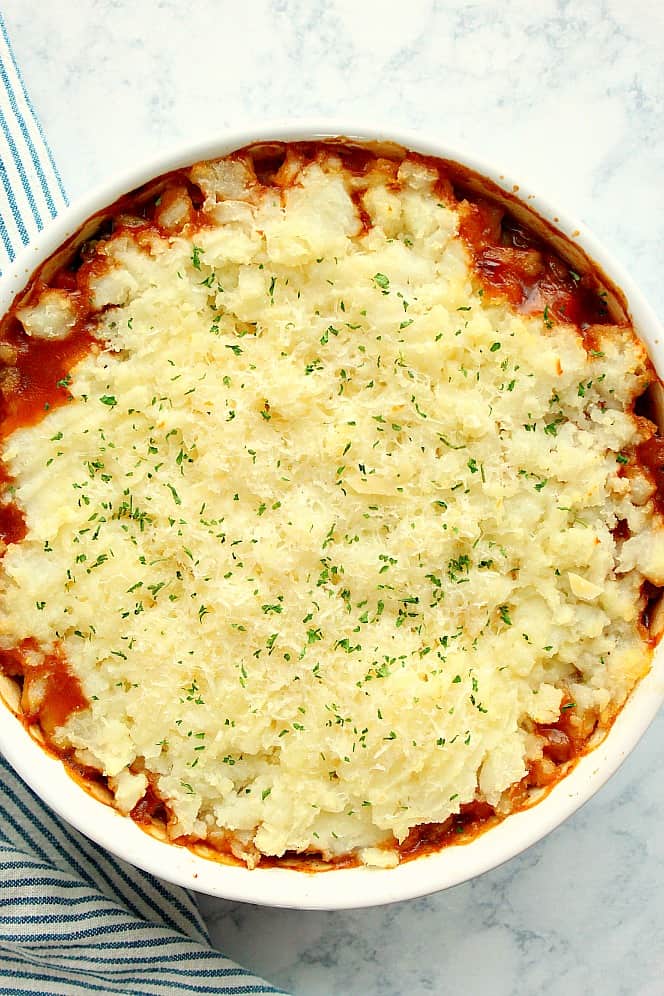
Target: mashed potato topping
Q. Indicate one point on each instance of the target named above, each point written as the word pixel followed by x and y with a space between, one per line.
pixel 327 533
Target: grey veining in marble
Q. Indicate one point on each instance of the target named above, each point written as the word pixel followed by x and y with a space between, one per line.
pixel 568 97
pixel 578 914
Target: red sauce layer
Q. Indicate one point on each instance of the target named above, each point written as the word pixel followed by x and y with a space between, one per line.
pixel 473 819
pixel 51 692
pixel 12 524
pixel 511 261
pixel 149 808
pixel 42 371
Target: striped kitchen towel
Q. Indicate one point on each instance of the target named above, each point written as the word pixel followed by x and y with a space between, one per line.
pixel 73 919
pixel 32 192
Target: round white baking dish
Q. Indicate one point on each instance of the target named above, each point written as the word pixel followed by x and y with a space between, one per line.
pixel 352 887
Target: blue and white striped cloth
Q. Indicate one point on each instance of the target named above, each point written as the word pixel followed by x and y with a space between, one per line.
pixel 31 191
pixel 73 919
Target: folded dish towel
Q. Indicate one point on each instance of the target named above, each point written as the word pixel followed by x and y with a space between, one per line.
pixel 73 919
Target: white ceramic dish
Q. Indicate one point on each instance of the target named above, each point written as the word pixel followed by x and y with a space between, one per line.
pixel 352 887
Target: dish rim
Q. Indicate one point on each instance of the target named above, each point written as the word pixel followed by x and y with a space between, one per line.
pixel 345 888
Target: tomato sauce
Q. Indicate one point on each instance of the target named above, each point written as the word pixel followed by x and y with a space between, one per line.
pixel 51 692
pixel 12 525
pixel 510 261
pixel 309 861
pixel 149 808
pixel 472 819
pixel 42 368
pixel 63 695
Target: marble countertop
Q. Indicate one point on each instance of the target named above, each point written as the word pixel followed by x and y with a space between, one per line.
pixel 569 99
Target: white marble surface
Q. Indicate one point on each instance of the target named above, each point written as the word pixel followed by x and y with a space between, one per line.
pixel 569 98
